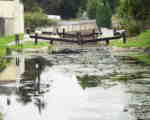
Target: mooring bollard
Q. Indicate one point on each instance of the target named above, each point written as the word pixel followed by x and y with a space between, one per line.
pixel 79 38
pixel 114 31
pixel 28 31
pixel 36 39
pixel 17 39
pixel 107 42
pixel 124 37
pixel 37 82
pixel 17 61
pixel 57 31
pixel 63 35
pixel 94 34
pixel 51 42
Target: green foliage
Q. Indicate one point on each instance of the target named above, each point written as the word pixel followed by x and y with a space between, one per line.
pixel 143 57
pixel 4 43
pixel 3 64
pixel 64 8
pixel 134 10
pixel 31 6
pixel 141 41
pixel 37 19
pixel 5 40
pixel 1 116
pixel 93 5
pixel 3 52
pixel 103 14
pixel 29 44
pixel 91 8
pixel 51 6
pixel 89 81
pixel 133 27
pixel 101 11
pixel 113 5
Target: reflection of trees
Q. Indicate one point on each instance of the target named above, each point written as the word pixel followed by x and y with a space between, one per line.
pixel 30 84
pixel 3 63
pixel 94 81
pixel 40 104
pixel 7 90
pixel 89 81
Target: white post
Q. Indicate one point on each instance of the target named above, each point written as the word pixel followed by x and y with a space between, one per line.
pixel 18 17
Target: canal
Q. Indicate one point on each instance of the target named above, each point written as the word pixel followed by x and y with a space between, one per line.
pixel 84 83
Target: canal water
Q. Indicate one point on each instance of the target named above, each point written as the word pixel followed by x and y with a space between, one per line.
pixel 76 84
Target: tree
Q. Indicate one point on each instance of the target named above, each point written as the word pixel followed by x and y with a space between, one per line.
pixel 91 8
pixel 31 6
pixel 134 15
pixel 51 6
pixel 70 8
pixel 135 9
pixel 103 14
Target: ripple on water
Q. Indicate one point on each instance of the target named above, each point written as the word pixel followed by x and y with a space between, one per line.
pixel 90 85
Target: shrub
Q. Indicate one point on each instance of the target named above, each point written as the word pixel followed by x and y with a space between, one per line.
pixel 37 19
pixel 132 26
pixel 103 15
pixel 91 8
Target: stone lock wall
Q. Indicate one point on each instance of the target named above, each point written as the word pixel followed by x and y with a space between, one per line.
pixel 12 17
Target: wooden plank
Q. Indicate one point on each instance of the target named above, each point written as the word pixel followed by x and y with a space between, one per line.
pixel 54 39
pixel 102 39
pixel 79 38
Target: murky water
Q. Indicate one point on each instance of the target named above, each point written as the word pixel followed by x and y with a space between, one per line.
pixel 84 84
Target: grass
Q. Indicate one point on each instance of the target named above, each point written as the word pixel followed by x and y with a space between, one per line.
pixel 5 49
pixel 2 52
pixel 1 116
pixel 3 44
pixel 141 41
pixel 30 44
pixel 4 41
pixel 143 57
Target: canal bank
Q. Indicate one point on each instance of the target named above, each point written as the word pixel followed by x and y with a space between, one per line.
pixel 137 47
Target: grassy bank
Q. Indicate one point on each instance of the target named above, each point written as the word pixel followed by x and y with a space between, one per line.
pixel 4 41
pixel 5 49
pixel 3 44
pixel 141 41
pixel 30 44
pixel 1 116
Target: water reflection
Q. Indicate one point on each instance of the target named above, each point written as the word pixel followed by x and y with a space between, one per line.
pixel 97 81
pixel 3 63
pixel 89 81
pixel 60 92
pixel 30 84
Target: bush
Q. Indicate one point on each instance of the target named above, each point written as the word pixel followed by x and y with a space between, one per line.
pixel 103 15
pixel 37 19
pixel 132 26
pixel 91 8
